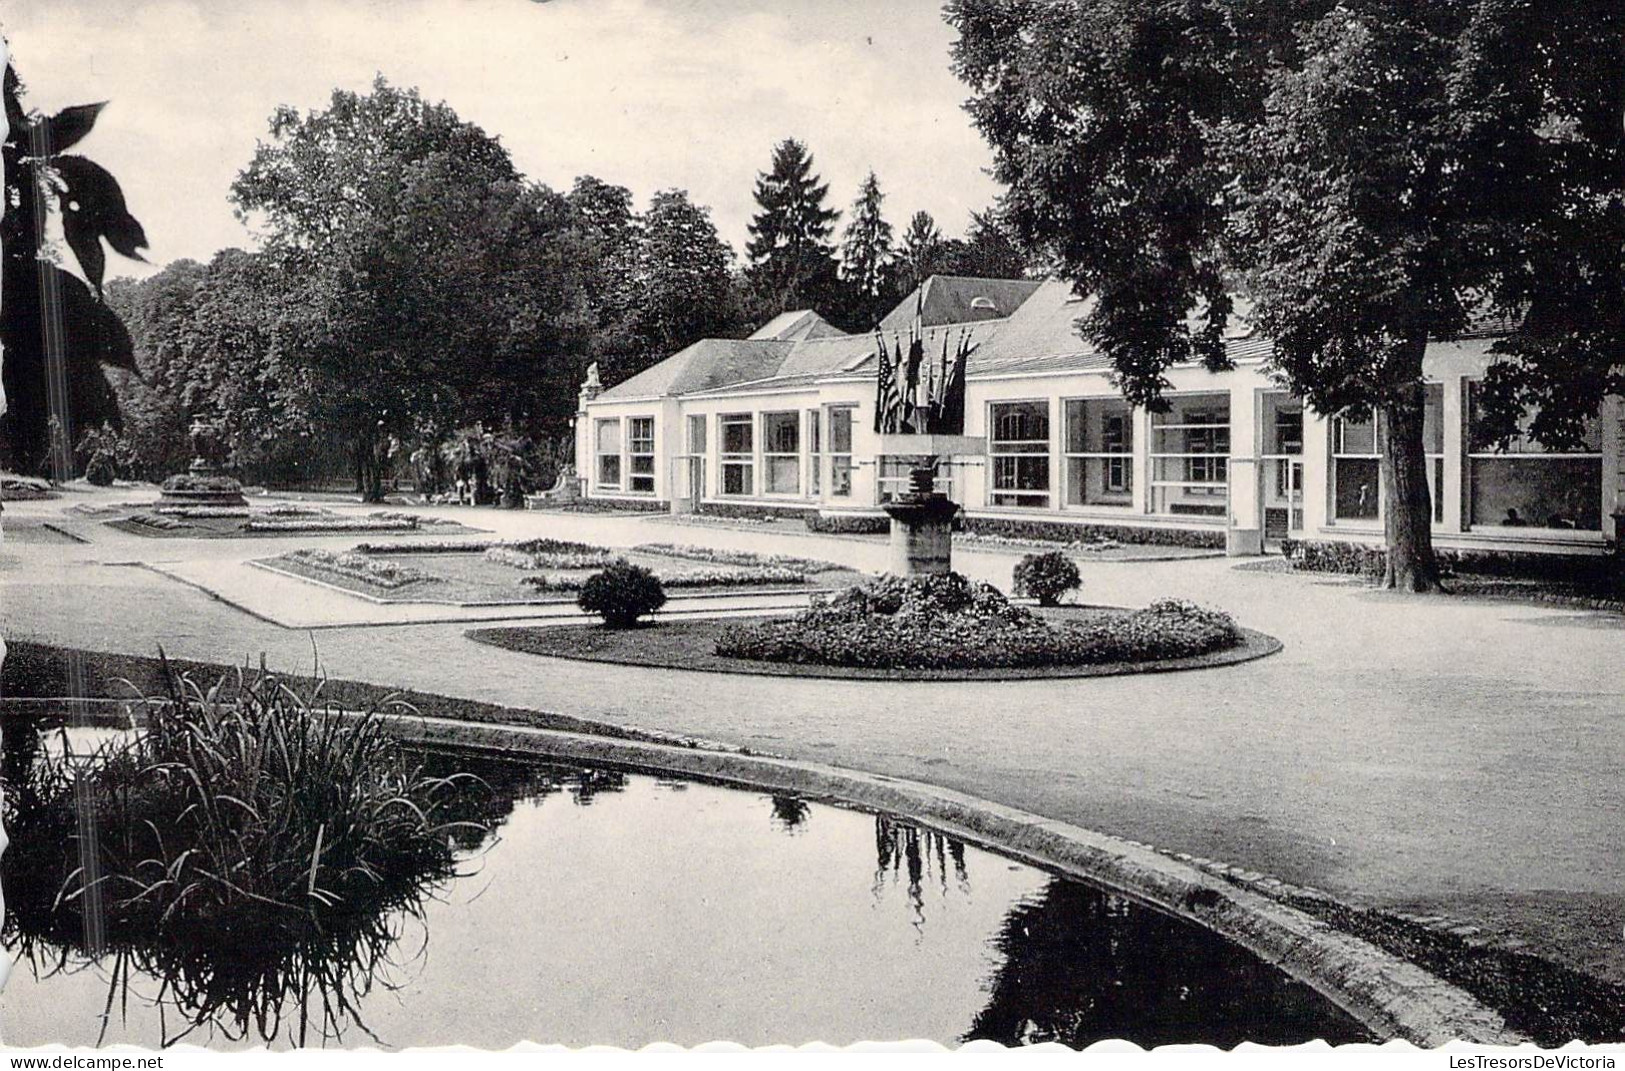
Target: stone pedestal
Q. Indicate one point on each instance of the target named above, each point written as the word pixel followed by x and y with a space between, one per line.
pixel 922 526
pixel 203 483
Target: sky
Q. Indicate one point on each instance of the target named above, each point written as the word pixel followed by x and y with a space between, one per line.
pixel 647 94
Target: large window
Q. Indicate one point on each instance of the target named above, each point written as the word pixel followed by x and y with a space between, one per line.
pixel 1099 452
pixel 1525 485
pixel 781 452
pixel 815 453
pixel 640 451
pixel 840 453
pixel 1190 456
pixel 1020 448
pixel 738 456
pixel 1357 471
pixel 607 436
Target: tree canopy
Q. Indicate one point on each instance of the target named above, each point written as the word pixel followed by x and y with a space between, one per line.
pixel 866 252
pixel 1370 175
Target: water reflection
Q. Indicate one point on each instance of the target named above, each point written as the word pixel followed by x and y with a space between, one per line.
pixel 790 813
pixel 913 857
pixel 639 914
pixel 1080 965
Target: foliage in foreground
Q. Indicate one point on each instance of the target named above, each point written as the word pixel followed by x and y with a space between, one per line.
pixel 949 622
pixel 250 848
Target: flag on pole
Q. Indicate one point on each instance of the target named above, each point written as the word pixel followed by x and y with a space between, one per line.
pixel 887 399
pixel 951 414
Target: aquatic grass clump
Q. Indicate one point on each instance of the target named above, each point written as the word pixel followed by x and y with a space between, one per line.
pixel 257 850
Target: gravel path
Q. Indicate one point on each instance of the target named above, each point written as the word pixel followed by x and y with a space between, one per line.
pixel 1454 757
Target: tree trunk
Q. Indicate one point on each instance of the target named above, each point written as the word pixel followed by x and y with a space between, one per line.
pixel 1407 505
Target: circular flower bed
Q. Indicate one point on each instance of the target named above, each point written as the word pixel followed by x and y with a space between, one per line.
pixel 949 622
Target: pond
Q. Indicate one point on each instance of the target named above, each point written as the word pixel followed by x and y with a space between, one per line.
pixel 622 908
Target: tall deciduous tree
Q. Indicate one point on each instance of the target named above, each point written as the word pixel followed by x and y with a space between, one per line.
pixel 792 263
pixel 687 290
pixel 866 252
pixel 56 332
pixel 1373 173
pixel 427 283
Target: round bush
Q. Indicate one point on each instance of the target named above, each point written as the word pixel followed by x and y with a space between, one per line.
pixel 100 470
pixel 1046 577
pixel 621 594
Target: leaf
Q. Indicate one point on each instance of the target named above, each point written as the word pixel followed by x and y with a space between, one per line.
pixel 69 126
pixel 93 208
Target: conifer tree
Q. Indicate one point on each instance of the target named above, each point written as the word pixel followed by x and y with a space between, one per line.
pixel 792 264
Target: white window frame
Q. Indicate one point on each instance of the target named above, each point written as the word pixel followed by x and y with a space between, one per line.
pixel 840 462
pixel 1016 450
pixel 1119 464
pixel 742 461
pixel 601 455
pixel 1206 472
pixel 770 455
pixel 1523 449
pixel 639 483
pixel 1435 464
pixel 815 452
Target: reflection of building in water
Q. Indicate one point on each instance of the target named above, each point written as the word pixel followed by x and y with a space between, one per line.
pixel 1081 964
pixel 914 857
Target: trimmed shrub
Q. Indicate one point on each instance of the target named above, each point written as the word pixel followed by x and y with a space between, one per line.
pixel 848 523
pixel 1362 559
pixel 743 511
pixel 949 622
pixel 1046 577
pixel 621 594
pixel 101 470
pixel 1073 532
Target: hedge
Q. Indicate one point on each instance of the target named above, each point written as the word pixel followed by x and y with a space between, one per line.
pixel 847 523
pixel 1047 531
pixel 746 511
pixel 1363 559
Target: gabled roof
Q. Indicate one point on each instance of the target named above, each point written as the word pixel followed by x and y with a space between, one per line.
pixel 797 325
pixel 708 363
pixel 959 299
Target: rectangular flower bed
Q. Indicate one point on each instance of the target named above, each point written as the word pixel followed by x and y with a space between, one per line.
pixel 352 566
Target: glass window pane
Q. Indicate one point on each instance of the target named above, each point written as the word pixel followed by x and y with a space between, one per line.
pixel 1019 427
pixel 736 479
pixel 736 435
pixel 840 431
pixel 783 475
pixel 609 436
pixel 1356 436
pixel 609 470
pixel 1433 419
pixel 781 433
pixel 1355 489
pixel 1536 491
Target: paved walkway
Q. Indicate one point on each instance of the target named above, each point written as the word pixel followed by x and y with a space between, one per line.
pixel 1462 757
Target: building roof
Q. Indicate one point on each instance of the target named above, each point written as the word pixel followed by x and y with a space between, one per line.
pixel 959 299
pixel 797 325
pixel 1043 336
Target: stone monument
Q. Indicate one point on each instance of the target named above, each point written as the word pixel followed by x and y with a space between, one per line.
pixel 205 481
pixel 920 412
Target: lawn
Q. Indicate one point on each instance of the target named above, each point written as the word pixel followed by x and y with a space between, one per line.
pixel 470 579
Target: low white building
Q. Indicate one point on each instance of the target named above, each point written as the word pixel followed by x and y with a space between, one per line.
pixel 784 420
